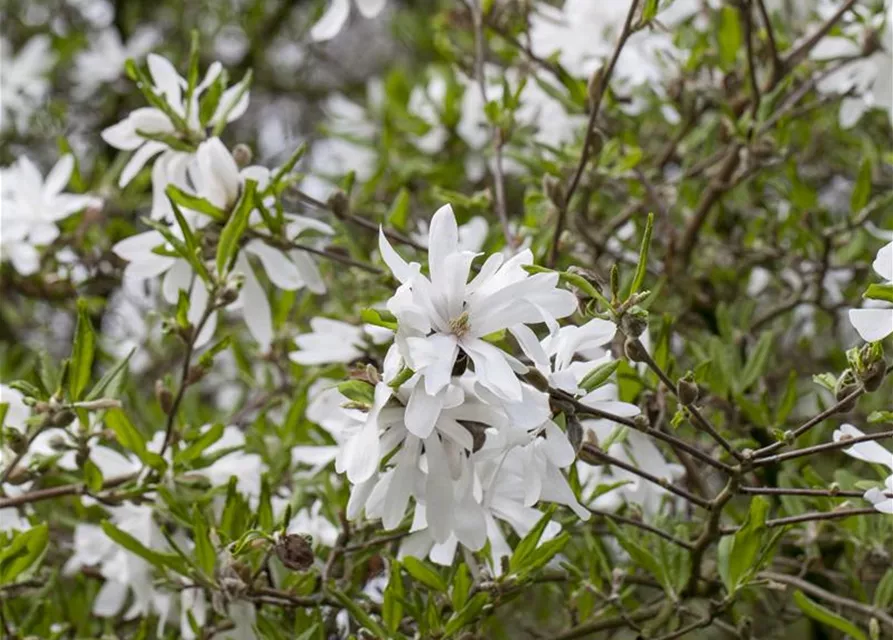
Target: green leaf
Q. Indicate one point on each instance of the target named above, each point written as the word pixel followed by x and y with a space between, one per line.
pixel 198 446
pixel 155 558
pixel 827 617
pixel 422 572
pixel 729 36
pixel 642 266
pixel 192 202
pixel 204 549
pixel 862 188
pixel 788 400
pixel 641 555
pixel 521 557
pixel 738 557
pixel 25 549
pixel 358 391
pixel 380 318
pixel 879 292
pixel 92 476
pixel 394 595
pixel 286 168
pixel 109 377
pixel 467 614
pixel 649 10
pixel 461 587
pixel 547 550
pixel 127 435
pixel 599 375
pixel 758 361
pixel 883 594
pixel 265 518
pixel 358 614
pixel 399 213
pixel 82 353
pixel 228 248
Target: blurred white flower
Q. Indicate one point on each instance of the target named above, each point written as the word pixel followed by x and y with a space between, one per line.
pixel 335 17
pixel 311 522
pixel 103 60
pixel 139 130
pixel 30 207
pixel 330 341
pixel 872 452
pixel 877 323
pixel 23 79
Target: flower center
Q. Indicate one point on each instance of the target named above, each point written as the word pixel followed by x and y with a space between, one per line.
pixel 459 325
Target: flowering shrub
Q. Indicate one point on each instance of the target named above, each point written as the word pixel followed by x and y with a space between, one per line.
pixel 519 320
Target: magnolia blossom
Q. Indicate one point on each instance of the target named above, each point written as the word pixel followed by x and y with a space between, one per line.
pixel 103 60
pixel 445 315
pixel 171 166
pixel 335 17
pixel 30 207
pixel 876 323
pixel 867 81
pixel 17 413
pixel 330 341
pixel 23 78
pixel 872 452
pixel 327 409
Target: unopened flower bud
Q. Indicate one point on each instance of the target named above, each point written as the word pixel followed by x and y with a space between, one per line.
pixel 537 379
pixel 871 42
pixel 641 421
pixel 58 444
pixel 15 441
pixel 242 155
pixel 575 433
pixel 295 552
pixel 634 322
pixel 339 204
pixel 195 374
pixel 874 629
pixel 594 84
pixel 634 350
pixel 687 390
pixel 228 294
pixel 164 396
pixel 833 488
pixel 553 189
pixel 38 406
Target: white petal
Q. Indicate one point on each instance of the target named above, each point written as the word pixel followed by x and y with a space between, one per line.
pixel 422 411
pixel 398 266
pixel 493 370
pixel 280 270
pixel 872 324
pixel 370 8
pixel 122 136
pixel 883 263
pixel 309 271
pixel 255 306
pixel 438 491
pixel 138 160
pixel 443 240
pixel 868 451
pixel 166 78
pixel 59 175
pixel 332 21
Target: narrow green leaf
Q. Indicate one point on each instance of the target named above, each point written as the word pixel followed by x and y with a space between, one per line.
pixel 862 189
pixel 398 216
pixel 380 318
pixel 394 594
pixel 204 549
pixel 82 353
pixel 729 36
pixel 192 202
pixel 827 617
pixel 467 614
pixel 424 573
pixel 198 446
pixel 228 248
pixel 358 614
pixel 461 587
pixel 642 266
pixel 127 435
pixel 289 165
pixel 521 556
pixel 109 377
pixel 758 360
pixel 599 375
pixel 879 292
pixel 92 476
pixel 155 558
pixel 358 391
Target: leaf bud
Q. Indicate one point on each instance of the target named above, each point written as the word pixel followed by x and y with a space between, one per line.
pixel 339 204
pixel 574 432
pixel 634 322
pixel 634 350
pixel 295 552
pixel 164 396
pixel 553 189
pixel 873 375
pixel 62 418
pixel 641 421
pixel 687 390
pixel 845 387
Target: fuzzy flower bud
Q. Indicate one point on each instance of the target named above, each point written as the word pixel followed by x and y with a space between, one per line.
pixel 295 552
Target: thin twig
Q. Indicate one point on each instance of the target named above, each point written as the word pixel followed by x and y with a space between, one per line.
pixel 827 446
pixel 598 95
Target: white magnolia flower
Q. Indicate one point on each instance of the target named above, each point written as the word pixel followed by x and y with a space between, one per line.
pixel 868 78
pixel 23 78
pixel 472 234
pixel 103 61
pixel 17 412
pixel 335 17
pixel 30 207
pixel 246 468
pixel 872 452
pixel 445 315
pixel 330 341
pixel 876 323
pixel 171 166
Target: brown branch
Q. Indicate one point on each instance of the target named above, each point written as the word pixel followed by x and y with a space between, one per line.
pixel 597 96
pixel 820 448
pixel 49 493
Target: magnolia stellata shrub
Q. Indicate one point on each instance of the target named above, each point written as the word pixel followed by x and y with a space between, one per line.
pixel 370 319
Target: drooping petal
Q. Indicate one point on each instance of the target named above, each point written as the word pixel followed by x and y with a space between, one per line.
pixel 59 175
pixel 255 306
pixel 122 136
pixel 869 451
pixel 422 411
pixel 872 324
pixel 332 21
pixel 438 491
pixel 138 160
pixel 309 271
pixel 883 262
pixel 398 266
pixel 281 271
